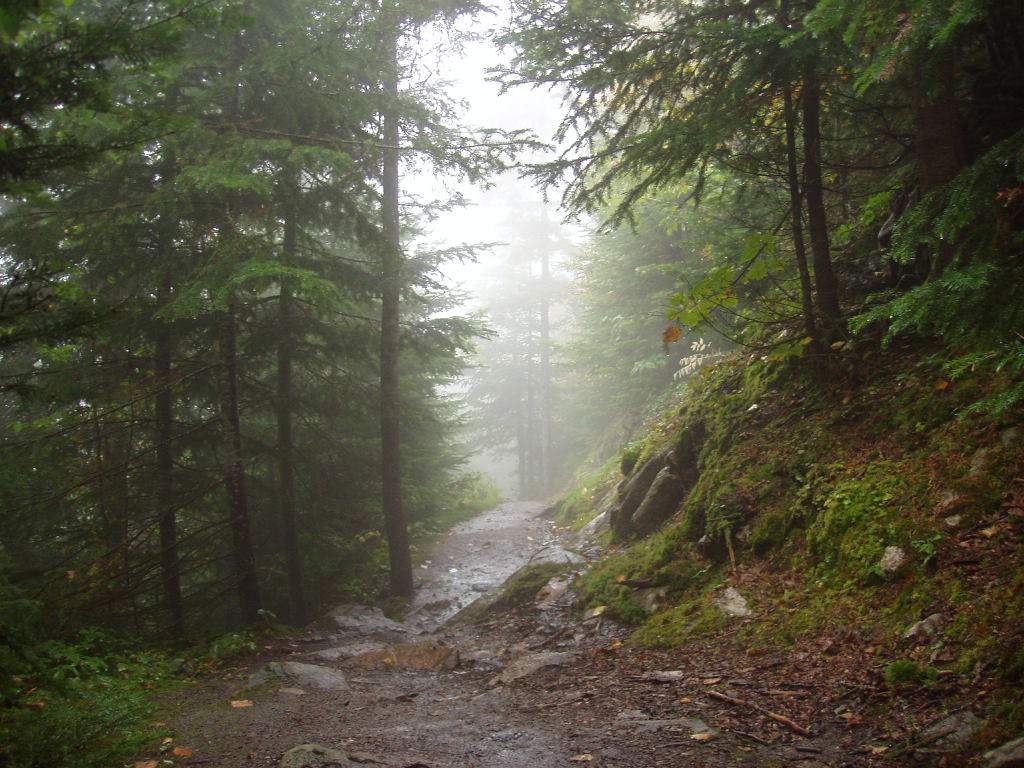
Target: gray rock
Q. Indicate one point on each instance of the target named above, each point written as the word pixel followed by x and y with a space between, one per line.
pixel 660 503
pixel 367 621
pixel 712 547
pixel 531 663
pixel 925 628
pixel 733 603
pixel 350 650
pixel 553 553
pixel 653 599
pixel 1009 755
pixel 314 756
pixel 951 733
pixel 633 494
pixel 893 560
pixel 594 528
pixel 300 675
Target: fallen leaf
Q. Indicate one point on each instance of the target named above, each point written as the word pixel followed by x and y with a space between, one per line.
pixel 166 740
pixel 620 578
pixel 878 750
pixel 941 385
pixel 593 613
pixel 711 680
pixel 702 736
pixel 241 703
pixel 672 333
pixel 145 764
pixel 686 700
pixel 181 752
pixel 989 532
pixel 584 758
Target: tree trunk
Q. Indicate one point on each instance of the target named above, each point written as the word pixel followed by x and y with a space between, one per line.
pixel 234 472
pixel 796 206
pixel 170 568
pixel 941 147
pixel 826 288
pixel 285 444
pixel 545 372
pixel 391 277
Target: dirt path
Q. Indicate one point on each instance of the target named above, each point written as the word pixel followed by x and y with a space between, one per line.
pixel 580 698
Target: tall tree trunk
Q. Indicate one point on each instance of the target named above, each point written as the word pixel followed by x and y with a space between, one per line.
pixel 796 206
pixel 285 443
pixel 170 568
pixel 395 525
pixel 234 471
pixel 826 287
pixel 545 372
pixel 940 145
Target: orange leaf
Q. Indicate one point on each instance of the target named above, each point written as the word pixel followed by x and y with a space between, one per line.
pixel 672 333
pixel 181 752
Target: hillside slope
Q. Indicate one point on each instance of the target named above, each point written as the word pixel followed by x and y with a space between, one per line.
pixel 869 515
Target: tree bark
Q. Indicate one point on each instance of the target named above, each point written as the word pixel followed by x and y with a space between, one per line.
pixel 247 584
pixel 940 145
pixel 399 557
pixel 796 206
pixel 285 442
pixel 826 287
pixel 545 372
pixel 170 568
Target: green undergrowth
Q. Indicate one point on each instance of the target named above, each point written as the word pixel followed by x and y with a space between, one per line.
pixel 587 498
pixel 813 478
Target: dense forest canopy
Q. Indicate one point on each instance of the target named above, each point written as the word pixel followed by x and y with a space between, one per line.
pixel 237 386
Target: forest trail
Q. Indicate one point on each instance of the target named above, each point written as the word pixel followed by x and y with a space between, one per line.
pixel 529 687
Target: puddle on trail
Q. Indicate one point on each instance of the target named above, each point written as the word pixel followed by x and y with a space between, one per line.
pixel 478 556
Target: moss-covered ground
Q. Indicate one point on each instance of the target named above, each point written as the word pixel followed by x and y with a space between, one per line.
pixel 813 476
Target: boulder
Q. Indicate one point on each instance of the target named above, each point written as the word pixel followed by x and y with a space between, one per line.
pixel 314 756
pixel 367 621
pixel 300 675
pixel 594 528
pixel 530 664
pixel 660 503
pixel 733 603
pixel 428 656
pixel 633 494
pixel 1009 755
pixel 951 733
pixel 653 599
pixel 925 628
pixel 712 547
pixel 892 561
pixel 685 455
pixel 350 650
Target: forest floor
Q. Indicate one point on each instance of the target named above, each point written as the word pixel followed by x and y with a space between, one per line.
pixel 535 685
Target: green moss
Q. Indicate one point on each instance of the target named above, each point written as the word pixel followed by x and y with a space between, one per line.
pixel 906 672
pixel 691 619
pixel 861 517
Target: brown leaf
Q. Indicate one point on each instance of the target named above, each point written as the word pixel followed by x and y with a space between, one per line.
pixel 181 752
pixel 584 758
pixel 241 703
pixel 145 764
pixel 702 736
pixel 672 333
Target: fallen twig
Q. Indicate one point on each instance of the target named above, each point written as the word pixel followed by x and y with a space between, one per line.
pixel 788 722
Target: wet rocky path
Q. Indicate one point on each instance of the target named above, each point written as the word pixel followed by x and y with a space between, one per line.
pixel 531 687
